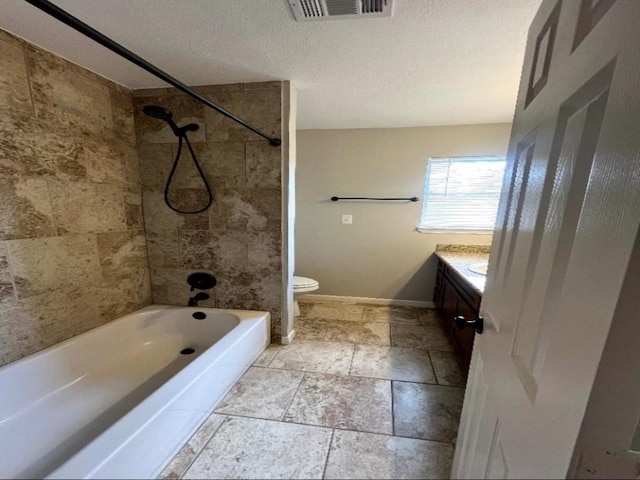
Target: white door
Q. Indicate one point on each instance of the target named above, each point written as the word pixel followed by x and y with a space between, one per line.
pixel 566 229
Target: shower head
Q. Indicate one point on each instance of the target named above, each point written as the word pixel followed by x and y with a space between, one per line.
pixel 160 113
pixel 165 115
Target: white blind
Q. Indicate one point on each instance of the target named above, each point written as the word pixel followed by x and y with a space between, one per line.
pixel 462 193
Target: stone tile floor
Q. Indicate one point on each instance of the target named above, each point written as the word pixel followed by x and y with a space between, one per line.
pixel 363 392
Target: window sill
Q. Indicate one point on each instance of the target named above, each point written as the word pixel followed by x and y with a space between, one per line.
pixel 454 232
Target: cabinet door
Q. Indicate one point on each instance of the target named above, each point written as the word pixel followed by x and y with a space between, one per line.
pixel 438 290
pixel 464 338
pixel 450 301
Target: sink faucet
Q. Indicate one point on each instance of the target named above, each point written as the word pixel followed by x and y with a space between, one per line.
pixel 193 301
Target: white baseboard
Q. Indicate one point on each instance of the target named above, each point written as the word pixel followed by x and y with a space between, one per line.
pixel 289 338
pixel 373 301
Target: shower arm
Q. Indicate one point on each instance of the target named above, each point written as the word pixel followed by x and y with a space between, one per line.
pixel 105 41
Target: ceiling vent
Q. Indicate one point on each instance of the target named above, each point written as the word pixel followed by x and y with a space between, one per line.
pixel 316 10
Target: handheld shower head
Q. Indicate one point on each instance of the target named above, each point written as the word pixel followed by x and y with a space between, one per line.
pixel 165 115
pixel 160 113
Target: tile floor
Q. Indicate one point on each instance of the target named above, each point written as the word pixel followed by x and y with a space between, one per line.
pixel 363 392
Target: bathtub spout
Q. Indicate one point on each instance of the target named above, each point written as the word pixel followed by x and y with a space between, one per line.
pixel 193 301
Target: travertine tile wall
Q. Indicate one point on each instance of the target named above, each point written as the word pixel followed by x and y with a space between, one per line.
pixel 239 240
pixel 72 245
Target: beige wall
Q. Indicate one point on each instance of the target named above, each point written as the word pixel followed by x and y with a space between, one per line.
pixel 381 254
pixel 72 248
pixel 239 239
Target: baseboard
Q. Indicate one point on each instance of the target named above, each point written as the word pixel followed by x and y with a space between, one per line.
pixel 368 300
pixel 289 338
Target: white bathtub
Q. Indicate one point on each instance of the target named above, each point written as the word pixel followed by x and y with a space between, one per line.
pixel 120 400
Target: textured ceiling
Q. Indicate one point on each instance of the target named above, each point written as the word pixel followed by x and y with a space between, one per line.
pixel 435 62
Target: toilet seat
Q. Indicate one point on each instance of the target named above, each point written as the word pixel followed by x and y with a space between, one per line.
pixel 304 284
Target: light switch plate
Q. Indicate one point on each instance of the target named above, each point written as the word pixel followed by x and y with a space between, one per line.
pixel 347 219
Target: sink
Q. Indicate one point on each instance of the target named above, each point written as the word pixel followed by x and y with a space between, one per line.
pixel 480 268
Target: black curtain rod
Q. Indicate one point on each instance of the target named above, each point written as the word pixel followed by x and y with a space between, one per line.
pixel 408 199
pixel 105 41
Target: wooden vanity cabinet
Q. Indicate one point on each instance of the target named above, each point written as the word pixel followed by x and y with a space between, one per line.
pixel 454 296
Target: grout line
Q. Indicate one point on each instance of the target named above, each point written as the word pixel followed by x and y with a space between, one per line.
pixel 351 374
pixel 326 462
pixel 179 237
pixel 274 357
pixel 359 322
pixel 431 384
pixel 393 416
pixel 315 372
pixel 284 414
pixel 29 81
pixel 338 428
pixel 353 354
pixel 5 249
pixel 433 368
pixel 245 170
pixel 391 341
pixel 203 448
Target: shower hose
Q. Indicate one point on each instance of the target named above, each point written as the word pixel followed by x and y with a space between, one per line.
pixel 182 137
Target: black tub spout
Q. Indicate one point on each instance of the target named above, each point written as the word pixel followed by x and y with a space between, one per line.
pixel 193 301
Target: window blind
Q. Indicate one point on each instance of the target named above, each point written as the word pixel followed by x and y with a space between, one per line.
pixel 462 193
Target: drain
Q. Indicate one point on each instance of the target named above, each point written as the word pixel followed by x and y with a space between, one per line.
pixel 187 351
pixel 199 315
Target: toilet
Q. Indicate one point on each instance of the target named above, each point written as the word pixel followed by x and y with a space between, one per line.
pixel 302 285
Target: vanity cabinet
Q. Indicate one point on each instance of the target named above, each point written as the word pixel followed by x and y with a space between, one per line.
pixel 454 296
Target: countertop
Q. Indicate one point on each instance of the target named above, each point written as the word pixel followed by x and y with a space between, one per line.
pixel 459 257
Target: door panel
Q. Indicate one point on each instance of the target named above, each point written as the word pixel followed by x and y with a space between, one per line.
pixel 577 132
pixel 579 142
pixel 541 59
pixel 565 232
pixel 497 466
pixel 591 11
pixel 514 218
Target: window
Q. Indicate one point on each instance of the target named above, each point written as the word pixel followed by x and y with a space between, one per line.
pixel 461 193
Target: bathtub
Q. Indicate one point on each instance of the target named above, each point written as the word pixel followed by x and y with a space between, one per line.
pixel 120 400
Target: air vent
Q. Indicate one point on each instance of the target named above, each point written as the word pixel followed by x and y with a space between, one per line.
pixel 315 10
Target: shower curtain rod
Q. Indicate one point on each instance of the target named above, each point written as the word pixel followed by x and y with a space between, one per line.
pixel 77 24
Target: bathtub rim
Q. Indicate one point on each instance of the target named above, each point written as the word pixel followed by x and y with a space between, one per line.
pixel 149 308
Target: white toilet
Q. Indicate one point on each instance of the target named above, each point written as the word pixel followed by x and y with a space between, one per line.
pixel 302 285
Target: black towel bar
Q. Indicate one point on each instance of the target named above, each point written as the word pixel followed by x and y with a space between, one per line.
pixel 406 199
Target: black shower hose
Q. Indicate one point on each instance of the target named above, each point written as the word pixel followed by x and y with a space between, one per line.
pixel 173 171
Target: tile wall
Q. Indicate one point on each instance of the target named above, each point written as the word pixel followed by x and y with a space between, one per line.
pixel 239 239
pixel 72 245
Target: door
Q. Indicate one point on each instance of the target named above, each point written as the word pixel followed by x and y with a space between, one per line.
pixel 566 228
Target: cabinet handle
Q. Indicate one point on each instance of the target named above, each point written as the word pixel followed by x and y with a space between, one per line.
pixel 478 324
